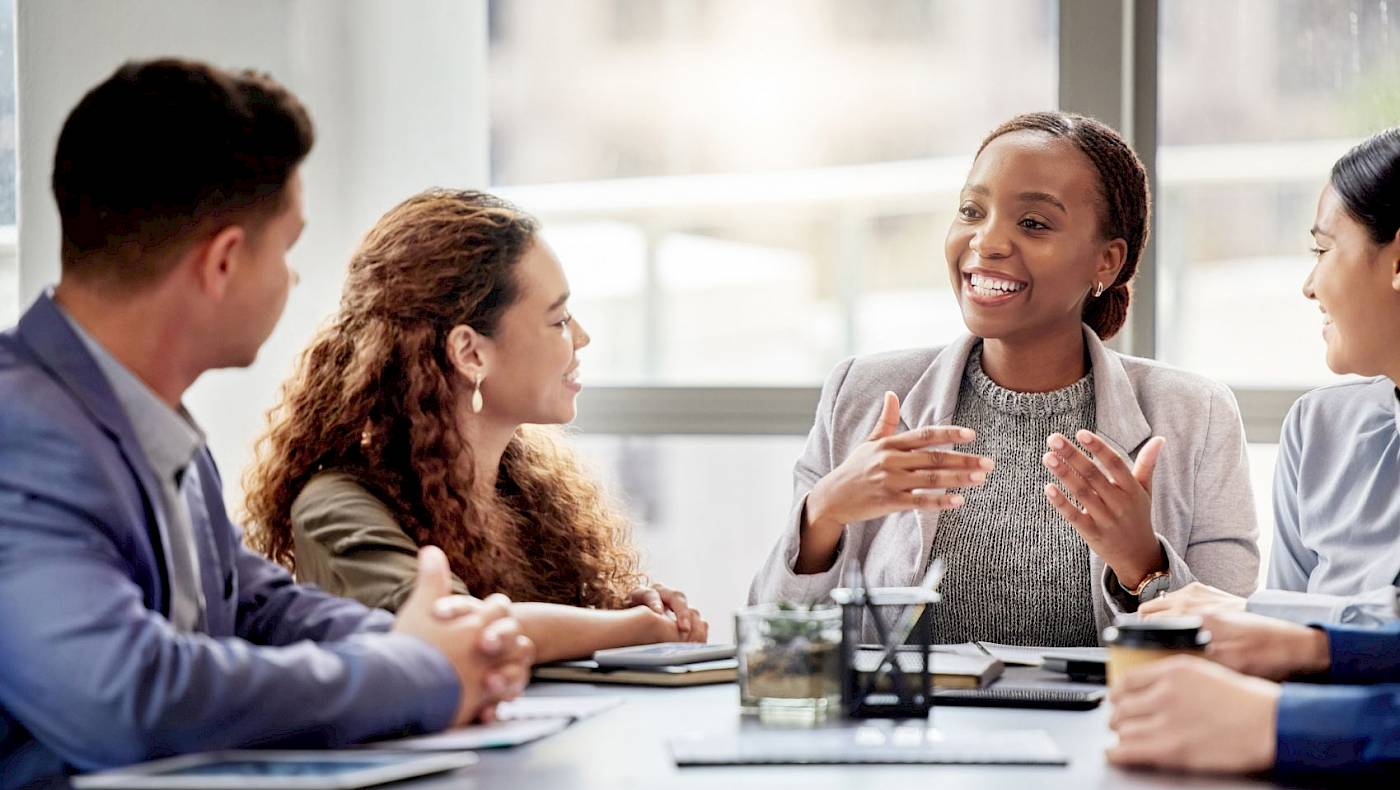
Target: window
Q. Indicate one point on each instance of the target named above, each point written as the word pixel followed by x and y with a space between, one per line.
pixel 743 193
pixel 1258 99
pixel 9 266
pixel 749 192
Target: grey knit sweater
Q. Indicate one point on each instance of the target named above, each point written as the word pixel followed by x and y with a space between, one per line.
pixel 1017 572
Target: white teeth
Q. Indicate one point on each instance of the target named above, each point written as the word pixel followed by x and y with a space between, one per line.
pixel 989 285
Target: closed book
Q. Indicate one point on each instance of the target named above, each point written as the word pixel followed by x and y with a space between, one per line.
pixel 949 670
pixel 697 674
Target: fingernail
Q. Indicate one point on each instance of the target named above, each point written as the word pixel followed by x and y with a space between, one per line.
pixel 988 464
pixel 1055 441
pixel 1051 459
pixel 957 500
pixel 967 434
pixel 978 477
pixel 1052 492
pixel 1087 437
pixel 490 642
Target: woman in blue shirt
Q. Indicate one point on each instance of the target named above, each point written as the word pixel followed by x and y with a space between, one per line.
pixel 1189 713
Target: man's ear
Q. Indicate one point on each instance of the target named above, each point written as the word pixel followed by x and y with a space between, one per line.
pixel 469 352
pixel 218 258
pixel 1111 260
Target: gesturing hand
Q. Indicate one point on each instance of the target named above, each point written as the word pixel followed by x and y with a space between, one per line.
pixel 887 473
pixel 1115 513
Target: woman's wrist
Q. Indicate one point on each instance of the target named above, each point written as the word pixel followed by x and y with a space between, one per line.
pixel 1131 574
pixel 646 627
pixel 817 521
pixel 818 536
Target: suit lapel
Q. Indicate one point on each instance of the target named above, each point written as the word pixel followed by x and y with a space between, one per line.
pixel 59 350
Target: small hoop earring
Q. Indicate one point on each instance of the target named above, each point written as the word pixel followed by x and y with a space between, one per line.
pixel 477 401
pixel 1098 290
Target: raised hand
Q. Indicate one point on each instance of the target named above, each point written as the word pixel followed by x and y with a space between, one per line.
pixel 479 638
pixel 1115 501
pixel 888 473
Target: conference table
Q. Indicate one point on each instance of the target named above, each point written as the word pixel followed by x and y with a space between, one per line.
pixel 627 747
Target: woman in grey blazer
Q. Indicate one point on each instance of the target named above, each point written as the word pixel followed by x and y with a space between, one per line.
pixel 1049 229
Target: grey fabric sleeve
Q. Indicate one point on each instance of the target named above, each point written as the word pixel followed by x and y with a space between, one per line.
pixel 776 580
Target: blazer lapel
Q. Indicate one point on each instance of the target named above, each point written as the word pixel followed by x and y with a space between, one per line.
pixel 932 401
pixel 1117 411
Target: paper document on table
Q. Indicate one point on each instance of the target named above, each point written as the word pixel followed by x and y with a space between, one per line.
pixel 1022 655
pixel 496 735
pixel 573 707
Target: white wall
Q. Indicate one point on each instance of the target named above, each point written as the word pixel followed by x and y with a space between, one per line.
pixel 398 93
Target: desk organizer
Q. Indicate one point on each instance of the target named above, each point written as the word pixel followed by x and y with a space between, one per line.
pixel 899 685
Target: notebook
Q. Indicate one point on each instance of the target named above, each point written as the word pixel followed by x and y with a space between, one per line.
pixel 697 674
pixel 879 743
pixel 950 670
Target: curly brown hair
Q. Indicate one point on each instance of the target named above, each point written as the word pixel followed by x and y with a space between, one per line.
pixel 1126 201
pixel 373 398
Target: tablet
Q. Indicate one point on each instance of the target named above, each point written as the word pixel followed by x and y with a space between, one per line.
pixel 275 770
pixel 662 654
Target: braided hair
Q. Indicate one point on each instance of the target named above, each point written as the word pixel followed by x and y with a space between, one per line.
pixel 1126 201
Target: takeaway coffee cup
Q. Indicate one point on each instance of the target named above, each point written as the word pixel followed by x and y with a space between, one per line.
pixel 1134 644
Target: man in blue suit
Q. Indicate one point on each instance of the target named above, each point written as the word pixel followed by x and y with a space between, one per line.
pixel 133 623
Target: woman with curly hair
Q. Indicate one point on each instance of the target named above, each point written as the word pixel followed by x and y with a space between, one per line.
pixel 415 419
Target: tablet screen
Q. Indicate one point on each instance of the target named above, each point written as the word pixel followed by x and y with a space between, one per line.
pixel 275 770
pixel 309 767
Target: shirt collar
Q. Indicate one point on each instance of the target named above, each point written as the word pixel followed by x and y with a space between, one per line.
pixel 170 438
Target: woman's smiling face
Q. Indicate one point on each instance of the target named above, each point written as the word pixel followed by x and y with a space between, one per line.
pixel 1026 247
pixel 1354 283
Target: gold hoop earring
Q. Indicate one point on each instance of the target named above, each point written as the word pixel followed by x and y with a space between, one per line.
pixel 1098 290
pixel 477 401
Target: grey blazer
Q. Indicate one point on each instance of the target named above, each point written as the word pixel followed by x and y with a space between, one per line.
pixel 1202 504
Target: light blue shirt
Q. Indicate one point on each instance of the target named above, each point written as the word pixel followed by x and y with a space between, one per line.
pixel 1336 555
pixel 169 439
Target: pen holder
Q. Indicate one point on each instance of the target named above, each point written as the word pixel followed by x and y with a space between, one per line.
pixel 892 678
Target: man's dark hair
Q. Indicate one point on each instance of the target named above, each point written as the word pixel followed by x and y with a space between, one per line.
pixel 162 149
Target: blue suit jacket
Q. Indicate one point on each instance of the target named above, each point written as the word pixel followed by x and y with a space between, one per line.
pixel 1355 728
pixel 91 673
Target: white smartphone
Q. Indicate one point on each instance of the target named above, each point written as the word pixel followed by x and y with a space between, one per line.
pixel 662 654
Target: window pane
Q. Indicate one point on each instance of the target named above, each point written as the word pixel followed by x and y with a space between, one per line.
pixel 9 268
pixel 1258 98
pixel 706 510
pixel 746 192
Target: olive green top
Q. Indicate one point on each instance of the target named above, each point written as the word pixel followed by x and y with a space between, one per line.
pixel 350 544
